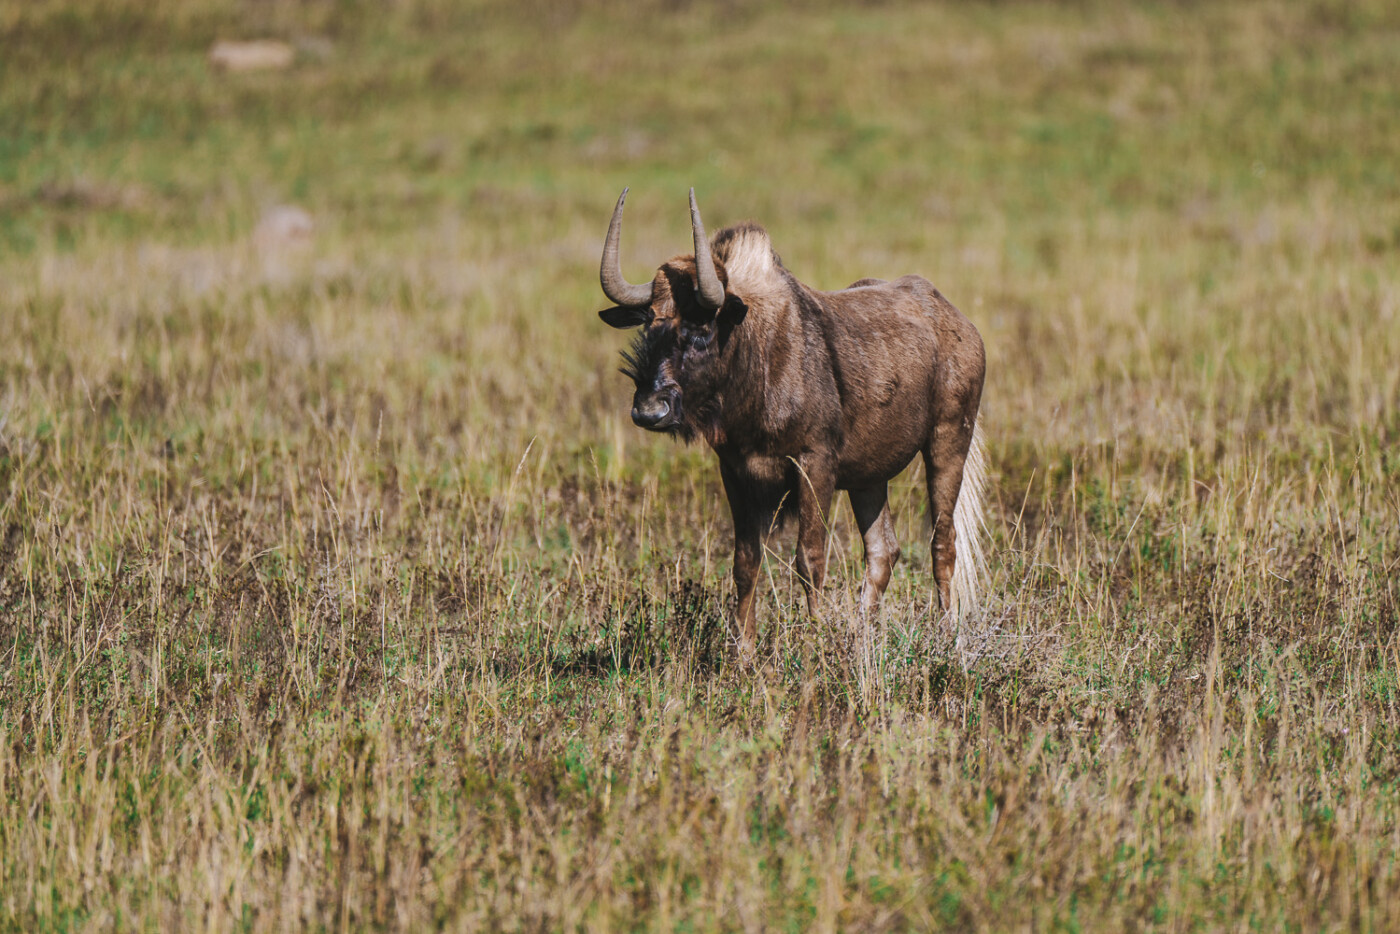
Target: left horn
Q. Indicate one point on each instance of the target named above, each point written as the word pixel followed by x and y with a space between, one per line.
pixel 615 287
pixel 710 291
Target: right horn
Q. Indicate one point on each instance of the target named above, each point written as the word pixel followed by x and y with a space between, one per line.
pixel 615 287
pixel 710 290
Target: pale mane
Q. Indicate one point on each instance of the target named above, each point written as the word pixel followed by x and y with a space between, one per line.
pixel 755 269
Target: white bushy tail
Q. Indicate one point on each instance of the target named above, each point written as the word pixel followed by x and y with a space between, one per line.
pixel 970 572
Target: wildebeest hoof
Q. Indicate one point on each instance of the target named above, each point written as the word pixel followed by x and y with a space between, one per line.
pixel 746 655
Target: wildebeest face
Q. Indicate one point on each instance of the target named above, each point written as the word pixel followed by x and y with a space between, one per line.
pixel 686 315
pixel 652 364
pixel 675 358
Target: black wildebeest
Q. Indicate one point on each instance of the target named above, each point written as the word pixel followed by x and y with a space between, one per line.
pixel 802 393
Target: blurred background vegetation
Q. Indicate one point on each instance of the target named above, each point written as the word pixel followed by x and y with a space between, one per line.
pixel 337 589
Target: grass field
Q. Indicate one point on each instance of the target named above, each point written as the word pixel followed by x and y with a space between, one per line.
pixel 337 590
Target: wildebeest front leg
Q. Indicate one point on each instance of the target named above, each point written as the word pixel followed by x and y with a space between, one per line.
pixel 816 483
pixel 748 555
pixel 943 460
pixel 881 547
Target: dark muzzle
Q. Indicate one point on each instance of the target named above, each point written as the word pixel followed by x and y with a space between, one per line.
pixel 656 411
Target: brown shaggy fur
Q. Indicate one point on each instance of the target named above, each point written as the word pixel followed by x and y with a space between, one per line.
pixel 801 393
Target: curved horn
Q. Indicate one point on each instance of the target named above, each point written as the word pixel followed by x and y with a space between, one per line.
pixel 710 291
pixel 615 287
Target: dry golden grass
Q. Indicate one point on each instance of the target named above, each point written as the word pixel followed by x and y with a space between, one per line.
pixel 337 590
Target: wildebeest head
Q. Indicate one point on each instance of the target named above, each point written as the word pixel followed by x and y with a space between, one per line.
pixel 686 317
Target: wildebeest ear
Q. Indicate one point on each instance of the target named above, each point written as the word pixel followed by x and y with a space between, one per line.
pixel 734 310
pixel 626 316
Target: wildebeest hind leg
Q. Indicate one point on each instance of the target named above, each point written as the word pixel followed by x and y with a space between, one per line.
pixel 944 465
pixel 872 511
pixel 816 484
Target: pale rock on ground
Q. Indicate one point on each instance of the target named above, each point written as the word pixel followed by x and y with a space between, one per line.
pixel 254 55
pixel 282 240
